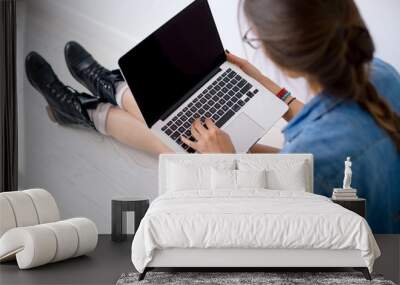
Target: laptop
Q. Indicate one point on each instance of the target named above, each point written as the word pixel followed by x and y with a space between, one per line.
pixel 180 73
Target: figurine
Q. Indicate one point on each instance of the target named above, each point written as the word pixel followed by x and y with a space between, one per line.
pixel 347 174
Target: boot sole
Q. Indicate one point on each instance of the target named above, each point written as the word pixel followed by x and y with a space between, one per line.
pixel 51 115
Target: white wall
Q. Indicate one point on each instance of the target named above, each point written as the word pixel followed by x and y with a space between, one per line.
pixel 83 169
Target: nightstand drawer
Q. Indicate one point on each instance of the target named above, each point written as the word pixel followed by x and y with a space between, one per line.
pixel 357 206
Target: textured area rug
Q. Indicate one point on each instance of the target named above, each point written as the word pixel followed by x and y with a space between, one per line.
pixel 233 278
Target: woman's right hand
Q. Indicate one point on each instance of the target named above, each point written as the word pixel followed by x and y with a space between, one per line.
pixel 253 72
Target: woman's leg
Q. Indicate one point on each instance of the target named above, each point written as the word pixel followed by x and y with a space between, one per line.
pixel 127 102
pixel 125 128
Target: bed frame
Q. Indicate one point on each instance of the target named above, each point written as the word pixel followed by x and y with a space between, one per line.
pixel 242 259
pixel 232 259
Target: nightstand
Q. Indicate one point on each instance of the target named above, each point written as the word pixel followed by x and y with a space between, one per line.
pixel 358 205
pixel 119 207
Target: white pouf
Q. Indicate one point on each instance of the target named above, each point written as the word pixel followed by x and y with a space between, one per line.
pixel 31 233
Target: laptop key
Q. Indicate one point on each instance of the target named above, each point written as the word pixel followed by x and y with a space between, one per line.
pixel 246 88
pixel 236 107
pixel 164 128
pixel 255 91
pixel 224 118
pixel 250 94
pixel 236 89
pixel 217 105
pixel 241 102
pixel 213 110
pixel 229 103
pixel 186 125
pixel 175 135
pixel 168 132
pixel 241 83
pixel 215 117
pixel 191 150
pixel 231 74
pixel 221 112
pixel 225 108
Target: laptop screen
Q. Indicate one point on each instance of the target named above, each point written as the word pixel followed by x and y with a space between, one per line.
pixel 169 63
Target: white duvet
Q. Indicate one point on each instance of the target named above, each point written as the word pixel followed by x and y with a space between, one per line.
pixel 250 219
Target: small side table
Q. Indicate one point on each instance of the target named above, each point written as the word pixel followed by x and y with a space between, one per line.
pixel 119 207
pixel 357 206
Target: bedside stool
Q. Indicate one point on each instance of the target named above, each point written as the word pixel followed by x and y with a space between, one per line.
pixel 357 206
pixel 119 207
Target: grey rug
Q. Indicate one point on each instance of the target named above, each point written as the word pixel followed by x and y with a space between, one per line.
pixel 269 278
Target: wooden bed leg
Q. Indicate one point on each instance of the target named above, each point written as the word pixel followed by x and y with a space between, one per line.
pixel 365 272
pixel 142 275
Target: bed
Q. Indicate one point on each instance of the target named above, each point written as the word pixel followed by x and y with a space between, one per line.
pixel 247 211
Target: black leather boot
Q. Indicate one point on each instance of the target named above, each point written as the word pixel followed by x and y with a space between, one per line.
pixel 85 69
pixel 66 106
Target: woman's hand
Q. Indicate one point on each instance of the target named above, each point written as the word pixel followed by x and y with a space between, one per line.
pixel 210 139
pixel 252 71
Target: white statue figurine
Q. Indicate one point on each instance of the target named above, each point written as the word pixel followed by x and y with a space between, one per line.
pixel 347 174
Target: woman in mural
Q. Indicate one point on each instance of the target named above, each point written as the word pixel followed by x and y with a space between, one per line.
pixel 354 111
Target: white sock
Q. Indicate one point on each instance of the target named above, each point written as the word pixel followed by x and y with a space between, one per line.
pixel 120 89
pixel 99 117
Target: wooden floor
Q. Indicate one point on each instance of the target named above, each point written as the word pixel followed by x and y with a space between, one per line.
pixel 110 259
pixel 103 266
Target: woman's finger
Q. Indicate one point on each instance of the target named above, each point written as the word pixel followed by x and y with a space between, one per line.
pixel 195 133
pixel 235 60
pixel 210 124
pixel 188 142
pixel 198 126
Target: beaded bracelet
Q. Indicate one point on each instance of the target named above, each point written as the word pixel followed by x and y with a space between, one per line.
pixel 283 94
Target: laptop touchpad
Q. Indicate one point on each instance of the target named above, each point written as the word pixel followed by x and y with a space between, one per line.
pixel 244 132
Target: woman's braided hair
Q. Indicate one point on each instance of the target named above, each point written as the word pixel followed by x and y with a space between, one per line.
pixel 329 42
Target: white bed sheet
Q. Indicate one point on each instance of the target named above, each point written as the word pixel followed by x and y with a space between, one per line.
pixel 251 218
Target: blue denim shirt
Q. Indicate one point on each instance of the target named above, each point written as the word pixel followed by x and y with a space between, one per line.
pixel 332 129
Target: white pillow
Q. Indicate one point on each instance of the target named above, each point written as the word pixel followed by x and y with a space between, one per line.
pixel 226 179
pixel 281 174
pixel 223 179
pixel 251 178
pixel 182 178
pixel 194 174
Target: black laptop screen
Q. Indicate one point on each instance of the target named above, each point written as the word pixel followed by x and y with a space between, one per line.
pixel 169 63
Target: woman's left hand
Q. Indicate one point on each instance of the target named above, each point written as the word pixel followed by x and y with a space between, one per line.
pixel 210 139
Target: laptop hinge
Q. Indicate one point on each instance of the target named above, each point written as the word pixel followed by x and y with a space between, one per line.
pixel 190 93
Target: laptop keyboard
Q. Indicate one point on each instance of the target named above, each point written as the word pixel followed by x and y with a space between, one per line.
pixel 220 101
